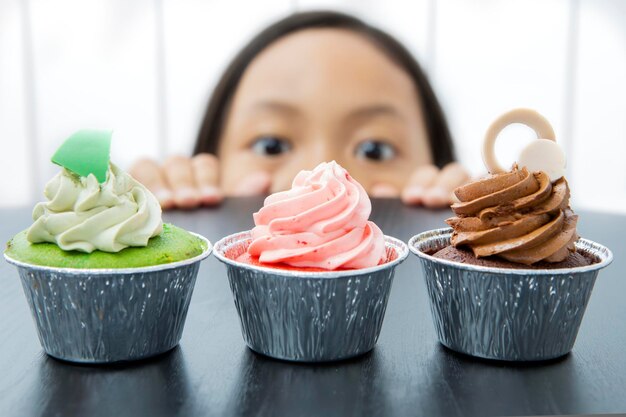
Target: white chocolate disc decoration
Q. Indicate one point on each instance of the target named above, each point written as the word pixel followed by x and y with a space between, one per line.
pixel 543 154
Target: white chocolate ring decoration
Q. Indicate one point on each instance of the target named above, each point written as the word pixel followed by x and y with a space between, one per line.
pixel 543 154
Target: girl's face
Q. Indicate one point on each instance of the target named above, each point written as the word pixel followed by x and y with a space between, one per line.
pixel 320 95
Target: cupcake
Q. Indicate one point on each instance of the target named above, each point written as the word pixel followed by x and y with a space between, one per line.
pixel 511 278
pixel 311 280
pixel 106 280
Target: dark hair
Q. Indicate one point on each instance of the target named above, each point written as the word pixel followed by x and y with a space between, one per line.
pixel 218 107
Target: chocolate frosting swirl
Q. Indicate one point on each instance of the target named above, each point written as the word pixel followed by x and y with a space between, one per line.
pixel 519 216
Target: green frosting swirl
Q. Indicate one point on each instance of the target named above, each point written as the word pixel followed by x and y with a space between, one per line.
pixel 82 214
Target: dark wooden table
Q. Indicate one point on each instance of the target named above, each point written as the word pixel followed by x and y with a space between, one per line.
pixel 212 373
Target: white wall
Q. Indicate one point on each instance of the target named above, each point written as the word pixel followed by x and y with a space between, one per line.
pixel 146 68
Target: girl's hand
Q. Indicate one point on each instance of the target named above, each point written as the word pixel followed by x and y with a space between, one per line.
pixel 432 187
pixel 181 181
pixel 188 183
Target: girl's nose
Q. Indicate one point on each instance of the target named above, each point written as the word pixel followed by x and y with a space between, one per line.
pixel 322 151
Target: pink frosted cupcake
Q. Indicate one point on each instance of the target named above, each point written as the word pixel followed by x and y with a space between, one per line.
pixel 320 223
pixel 311 280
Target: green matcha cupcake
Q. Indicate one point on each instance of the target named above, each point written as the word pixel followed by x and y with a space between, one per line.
pixel 106 280
pixel 173 244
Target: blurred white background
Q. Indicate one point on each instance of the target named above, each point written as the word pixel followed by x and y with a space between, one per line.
pixel 146 69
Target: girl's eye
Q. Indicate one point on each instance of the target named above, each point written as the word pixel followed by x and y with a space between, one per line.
pixel 375 150
pixel 270 146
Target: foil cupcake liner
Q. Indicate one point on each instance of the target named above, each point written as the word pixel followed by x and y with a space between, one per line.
pixel 309 316
pixel 109 315
pixel 506 314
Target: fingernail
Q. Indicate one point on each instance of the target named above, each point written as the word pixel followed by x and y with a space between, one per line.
pixel 210 190
pixel 253 185
pixel 187 197
pixel 384 191
pixel 211 195
pixel 437 197
pixel 413 194
pixel 186 193
pixel 164 197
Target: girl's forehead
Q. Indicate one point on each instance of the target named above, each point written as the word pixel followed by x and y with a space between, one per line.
pixel 320 65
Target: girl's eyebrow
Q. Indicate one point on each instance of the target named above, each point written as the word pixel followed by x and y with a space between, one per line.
pixel 273 105
pixel 363 112
pixel 376 109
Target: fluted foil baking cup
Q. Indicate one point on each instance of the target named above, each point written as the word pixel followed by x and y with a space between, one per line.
pixel 110 315
pixel 309 316
pixel 506 314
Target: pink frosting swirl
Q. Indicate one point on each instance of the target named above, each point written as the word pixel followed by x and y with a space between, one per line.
pixel 321 222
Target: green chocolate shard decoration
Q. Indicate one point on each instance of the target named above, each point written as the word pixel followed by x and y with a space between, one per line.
pixel 86 152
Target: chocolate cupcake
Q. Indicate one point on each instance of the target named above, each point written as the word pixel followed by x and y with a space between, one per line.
pixel 515 219
pixel 511 278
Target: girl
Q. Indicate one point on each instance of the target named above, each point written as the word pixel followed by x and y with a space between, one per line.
pixel 313 87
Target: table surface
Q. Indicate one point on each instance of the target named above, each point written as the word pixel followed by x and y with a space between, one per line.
pixel 212 372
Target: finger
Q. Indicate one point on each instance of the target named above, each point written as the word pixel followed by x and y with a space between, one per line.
pixel 179 175
pixel 436 197
pixel 442 191
pixel 149 173
pixel 205 169
pixel 384 190
pixel 452 176
pixel 421 179
pixel 256 183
